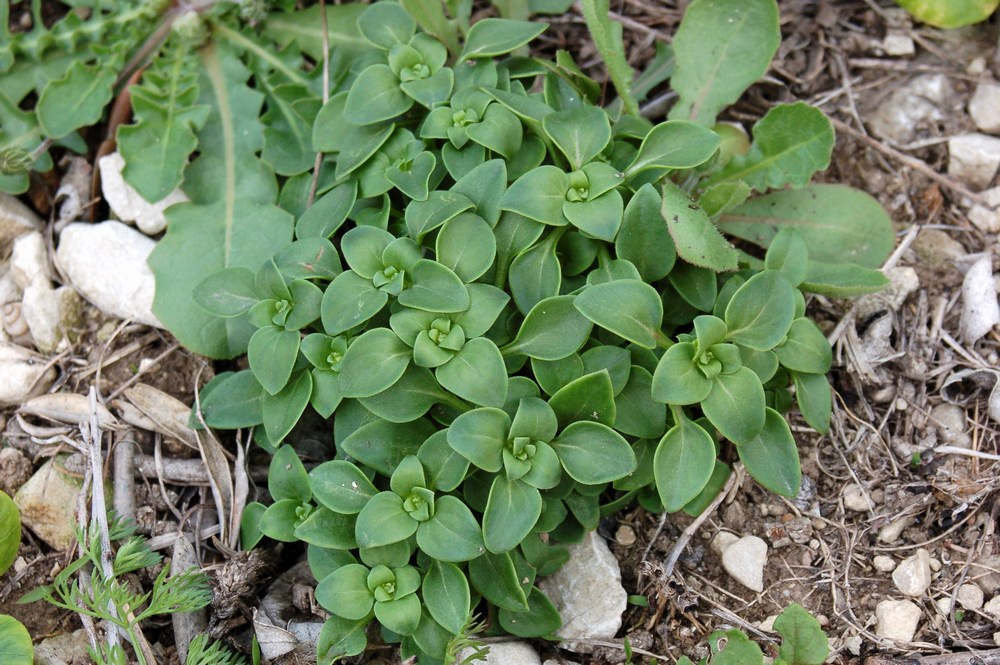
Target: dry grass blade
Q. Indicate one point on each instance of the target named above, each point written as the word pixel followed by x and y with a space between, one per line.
pixel 168 414
pixel 69 408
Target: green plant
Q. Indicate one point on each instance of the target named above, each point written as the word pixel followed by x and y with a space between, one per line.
pixel 950 13
pixel 517 307
pixel 15 642
pixel 803 642
pixel 88 586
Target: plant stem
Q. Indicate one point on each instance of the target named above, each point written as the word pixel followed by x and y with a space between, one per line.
pixel 318 164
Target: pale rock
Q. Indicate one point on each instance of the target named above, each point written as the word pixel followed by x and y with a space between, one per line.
pixel 996 638
pixel 986 571
pixel 16 219
pixel 23 374
pixel 883 563
pixel 63 649
pixel 913 574
pixel 10 291
pixel 944 605
pixel 912 108
pixel 48 504
pixel 980 308
pixel 723 540
pixel 984 218
pixel 949 419
pixel 127 203
pixel 744 560
pixel 625 536
pixel 937 250
pixel 984 107
pixel 50 314
pixel 588 592
pixel 106 263
pixel 505 653
pixel 992 608
pixel 898 43
pixel 856 499
pixel 935 565
pixel 973 159
pixel 853 644
pixel 767 625
pixel 29 261
pixel 903 281
pixel 970 596
pixel 897 620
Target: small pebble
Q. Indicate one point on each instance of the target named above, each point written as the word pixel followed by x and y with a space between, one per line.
pixel 883 563
pixel 913 574
pixel 855 498
pixel 744 560
pixel 970 596
pixel 625 536
pixel 723 540
pixel 993 608
pixel 897 620
pixel 935 565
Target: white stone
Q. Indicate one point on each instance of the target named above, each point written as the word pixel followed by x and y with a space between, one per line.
pixel 898 43
pixel 903 281
pixel 63 649
pixel 505 653
pixel 949 419
pixel 767 625
pixel 29 261
pixel 970 596
pixel 106 263
pixel 943 605
pixel 744 560
pixel 973 159
pixel 723 540
pixel 992 608
pixel 856 499
pixel 883 563
pixel 127 203
pixel 996 638
pixel 23 375
pixel 897 620
pixel 50 314
pixel 913 574
pixel 15 219
pixel 588 592
pixel 980 308
pixel 912 107
pixel 10 291
pixel 984 107
pixel 984 218
pixel 48 504
pixel 891 532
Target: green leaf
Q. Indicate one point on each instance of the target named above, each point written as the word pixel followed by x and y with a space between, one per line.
pixel 422 217
pixel 535 275
pixel 553 329
pixel 381 445
pixel 495 36
pixel 328 213
pixel 477 373
pixel 340 637
pixel 466 245
pixel 325 528
pixel 541 619
pixel 677 379
pixel 499 130
pixel 484 185
pixel 278 520
pixel 696 239
pixel 375 97
pixel 953 14
pixel 373 362
pixel 157 145
pixel 344 592
pixel 10 532
pixel 401 615
pixel 598 217
pixel 636 414
pixel 445 467
pixel 341 486
pixel 407 399
pixel 383 521
pixel 737 649
pixel 539 194
pixel 15 642
pixel 581 133
pixel 250 533
pixel 842 280
pixel 486 302
pixel 683 464
pixel 304 28
pixel 593 453
pixel 281 412
pixel 615 359
pixel 838 223
pixel 287 478
pixel 607 36
pixel 699 287
pixel 77 99
pixel 720 476
pixel 435 288
pixel 789 255
pixel 723 197
pixel 452 534
pixel 349 301
pixel 511 510
pixel 760 312
pixel 791 143
pixel 676 144
pixel 803 641
pixel 232 400
pixel 721 47
pixel 735 406
pixel 479 436
pixel 628 308
pixel 771 457
pixel 494 576
pixel 643 238
pixel 805 349
pixel 446 595
pixel 815 398
pixel 272 352
pixel 590 398
pixel 229 292
pixel 386 24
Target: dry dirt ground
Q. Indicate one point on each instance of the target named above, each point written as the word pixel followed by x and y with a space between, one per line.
pixel 894 363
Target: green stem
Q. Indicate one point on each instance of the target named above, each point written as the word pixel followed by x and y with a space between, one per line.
pixel 258 51
pixel 662 340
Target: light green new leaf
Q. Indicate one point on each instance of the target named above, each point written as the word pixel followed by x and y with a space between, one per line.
pixel 373 362
pixel 593 453
pixel 791 143
pixel 76 100
pixel 721 48
pixel 838 223
pixel 15 642
pixel 10 532
pixel 675 144
pixel 345 592
pixel 735 406
pixel 476 373
pixel 495 36
pixel 628 308
pixel 803 641
pixel 760 312
pixel 950 13
pixel 446 595
pixel 677 379
pixel 553 329
pixel 683 464
pixel 695 237
pixel 512 509
pixel 771 457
